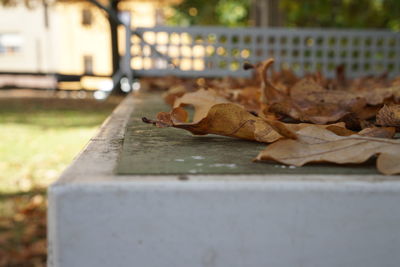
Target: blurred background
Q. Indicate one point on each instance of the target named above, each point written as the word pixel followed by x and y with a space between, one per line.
pixel 57 60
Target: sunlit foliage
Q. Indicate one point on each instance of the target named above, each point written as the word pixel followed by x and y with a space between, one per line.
pixel 342 14
pixel 297 13
pixel 210 12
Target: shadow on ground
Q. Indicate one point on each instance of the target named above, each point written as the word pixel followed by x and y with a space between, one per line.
pixel 40 134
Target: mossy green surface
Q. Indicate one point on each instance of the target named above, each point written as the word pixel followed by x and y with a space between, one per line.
pixel 151 150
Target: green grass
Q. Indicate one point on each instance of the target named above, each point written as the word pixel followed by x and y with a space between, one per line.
pixel 39 137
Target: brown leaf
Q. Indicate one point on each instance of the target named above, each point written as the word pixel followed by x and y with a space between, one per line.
pixel 275 100
pixel 308 101
pixel 339 129
pixel 389 115
pixel 215 115
pixel 367 112
pixel 248 97
pixel 173 93
pixel 380 132
pixel 376 96
pixel 202 100
pixel 289 130
pixel 314 144
pixel 355 123
pixel 319 105
pixel 227 119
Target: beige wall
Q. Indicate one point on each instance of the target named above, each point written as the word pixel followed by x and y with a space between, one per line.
pixel 37 51
pixel 62 47
pixel 76 41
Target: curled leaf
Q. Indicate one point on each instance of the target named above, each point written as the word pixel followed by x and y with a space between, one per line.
pixel 306 100
pixel 314 144
pixel 173 93
pixel 202 100
pixel 213 116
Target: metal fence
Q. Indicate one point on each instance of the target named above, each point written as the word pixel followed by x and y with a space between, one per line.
pixel 217 51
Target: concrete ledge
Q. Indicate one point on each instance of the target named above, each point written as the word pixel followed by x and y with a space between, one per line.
pixel 97 218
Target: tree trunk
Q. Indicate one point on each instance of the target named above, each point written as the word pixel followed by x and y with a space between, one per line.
pixel 115 57
pixel 266 13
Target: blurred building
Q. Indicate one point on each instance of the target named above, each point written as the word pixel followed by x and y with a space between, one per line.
pixel 65 38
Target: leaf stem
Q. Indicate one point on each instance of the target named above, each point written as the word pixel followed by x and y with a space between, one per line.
pixel 146 120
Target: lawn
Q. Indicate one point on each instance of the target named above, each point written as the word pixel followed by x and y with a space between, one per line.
pixel 39 137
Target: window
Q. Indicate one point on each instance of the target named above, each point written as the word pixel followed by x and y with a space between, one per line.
pixel 10 43
pixel 88 64
pixel 86 17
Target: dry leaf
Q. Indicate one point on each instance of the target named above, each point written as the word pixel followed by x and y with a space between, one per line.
pixel 314 144
pixel 248 97
pixel 173 93
pixel 232 120
pixel 289 130
pixel 215 115
pixel 389 115
pixel 308 101
pixel 239 108
pixel 380 132
pixel 227 119
pixel 321 106
pixel 202 100
pixel 376 96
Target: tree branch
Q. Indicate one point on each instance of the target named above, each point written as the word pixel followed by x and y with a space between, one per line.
pixel 111 13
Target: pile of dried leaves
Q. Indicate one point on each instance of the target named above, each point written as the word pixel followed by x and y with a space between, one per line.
pixel 23 230
pixel 308 119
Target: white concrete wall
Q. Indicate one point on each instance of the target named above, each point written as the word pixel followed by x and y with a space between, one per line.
pixel 99 219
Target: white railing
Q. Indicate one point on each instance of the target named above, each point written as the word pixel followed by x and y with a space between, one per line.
pixel 217 51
